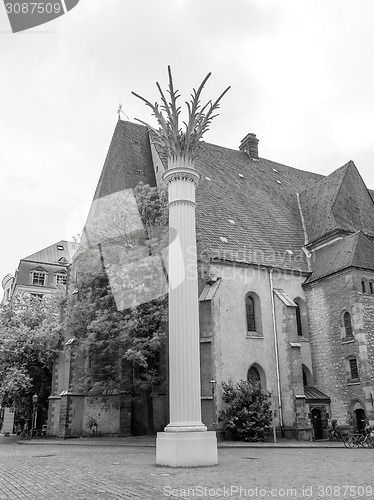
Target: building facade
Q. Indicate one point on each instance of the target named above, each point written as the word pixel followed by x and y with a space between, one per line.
pixel 41 272
pixel 286 295
pixel 37 274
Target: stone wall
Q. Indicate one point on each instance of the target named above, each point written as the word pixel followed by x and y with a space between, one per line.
pixel 327 299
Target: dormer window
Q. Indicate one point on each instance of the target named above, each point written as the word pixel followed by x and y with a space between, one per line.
pixel 60 247
pixel 61 279
pixel 38 278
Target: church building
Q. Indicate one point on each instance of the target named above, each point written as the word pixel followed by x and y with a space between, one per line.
pixel 288 299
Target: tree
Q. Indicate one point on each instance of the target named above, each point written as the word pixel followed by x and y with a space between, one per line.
pixel 118 314
pixel 119 350
pixel 30 333
pixel 247 415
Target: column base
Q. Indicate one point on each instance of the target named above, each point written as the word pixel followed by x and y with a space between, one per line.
pixel 186 449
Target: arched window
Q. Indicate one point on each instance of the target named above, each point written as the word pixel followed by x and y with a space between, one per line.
pixel 251 315
pixel 301 318
pixel 371 285
pixel 298 321
pixel 253 320
pixel 347 324
pixel 363 286
pixel 307 376
pixel 256 377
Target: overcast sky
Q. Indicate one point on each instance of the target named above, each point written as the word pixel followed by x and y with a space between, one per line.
pixel 301 75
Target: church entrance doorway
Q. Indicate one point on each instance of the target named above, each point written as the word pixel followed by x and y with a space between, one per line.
pixel 317 423
pixel 360 420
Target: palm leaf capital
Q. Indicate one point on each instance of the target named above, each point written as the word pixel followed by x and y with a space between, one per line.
pixel 182 144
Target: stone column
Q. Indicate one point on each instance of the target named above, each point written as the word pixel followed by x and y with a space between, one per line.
pixel 186 441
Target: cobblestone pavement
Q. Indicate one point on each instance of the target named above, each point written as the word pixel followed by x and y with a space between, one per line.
pixel 83 472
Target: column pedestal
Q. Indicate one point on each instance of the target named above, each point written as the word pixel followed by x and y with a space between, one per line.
pixel 186 449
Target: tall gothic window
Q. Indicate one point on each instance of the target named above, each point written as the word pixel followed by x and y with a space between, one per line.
pixel 347 323
pixel 251 317
pixel 298 321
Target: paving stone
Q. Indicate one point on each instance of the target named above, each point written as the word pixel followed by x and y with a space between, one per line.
pixel 81 472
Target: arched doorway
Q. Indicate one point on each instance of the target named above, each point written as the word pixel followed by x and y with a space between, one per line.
pixel 360 419
pixel 317 423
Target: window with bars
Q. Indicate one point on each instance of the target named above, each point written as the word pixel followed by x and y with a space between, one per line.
pixel 353 369
pixel 367 286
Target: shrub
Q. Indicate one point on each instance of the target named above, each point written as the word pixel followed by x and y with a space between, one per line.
pixel 247 415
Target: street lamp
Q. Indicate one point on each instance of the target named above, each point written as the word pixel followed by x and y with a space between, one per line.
pixel 34 401
pixel 212 384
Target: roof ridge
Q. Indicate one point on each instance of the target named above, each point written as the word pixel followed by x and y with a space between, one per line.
pixel 346 166
pixel 326 177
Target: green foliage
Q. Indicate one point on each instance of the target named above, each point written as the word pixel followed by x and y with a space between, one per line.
pixel 152 205
pixel 247 415
pixel 119 350
pixel 30 333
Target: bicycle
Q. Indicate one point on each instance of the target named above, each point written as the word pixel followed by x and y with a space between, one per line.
pixel 358 440
pixel 369 440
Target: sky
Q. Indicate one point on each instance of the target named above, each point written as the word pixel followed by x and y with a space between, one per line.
pixel 301 76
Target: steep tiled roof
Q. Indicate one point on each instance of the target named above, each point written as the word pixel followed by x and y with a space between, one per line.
pixel 52 254
pixel 353 206
pixel 339 201
pixel 355 250
pixel 128 161
pixel 253 204
pixel 247 210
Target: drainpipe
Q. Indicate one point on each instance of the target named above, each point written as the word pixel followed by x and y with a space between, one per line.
pixel 277 369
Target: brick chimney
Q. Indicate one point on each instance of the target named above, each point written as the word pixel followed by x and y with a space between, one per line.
pixel 250 145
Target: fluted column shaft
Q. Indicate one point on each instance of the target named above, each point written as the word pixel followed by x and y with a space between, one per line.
pixel 184 346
